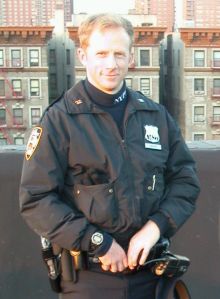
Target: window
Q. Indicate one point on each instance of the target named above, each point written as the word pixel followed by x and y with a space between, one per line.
pixel 198 136
pixel 2 117
pixel 216 87
pixel 68 81
pixel 145 86
pixel 144 57
pixel 128 82
pixel 216 113
pixel 34 88
pixel 17 116
pixel 1 57
pixel 52 56
pixel 34 57
pixel 3 141
pixel 216 58
pixel 16 88
pixel 68 56
pixel 199 114
pixel 199 86
pixel 199 58
pixel 35 116
pixel 2 88
pixel 16 58
pixel 19 140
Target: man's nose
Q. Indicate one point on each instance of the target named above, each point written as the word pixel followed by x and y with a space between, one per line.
pixel 111 61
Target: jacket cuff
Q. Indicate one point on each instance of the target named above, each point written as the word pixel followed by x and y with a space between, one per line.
pixel 162 222
pixel 85 241
pixel 104 247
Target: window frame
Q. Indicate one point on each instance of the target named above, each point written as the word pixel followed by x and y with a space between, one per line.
pixel 21 57
pixel 204 115
pixel 30 114
pixel 29 56
pixel 205 57
pixel 31 87
pixel 139 57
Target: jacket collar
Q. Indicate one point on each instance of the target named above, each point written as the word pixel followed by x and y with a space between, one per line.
pixel 77 101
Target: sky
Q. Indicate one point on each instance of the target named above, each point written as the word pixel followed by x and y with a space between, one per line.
pixel 97 6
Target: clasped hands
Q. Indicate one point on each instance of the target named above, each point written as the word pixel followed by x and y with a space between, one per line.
pixel 116 259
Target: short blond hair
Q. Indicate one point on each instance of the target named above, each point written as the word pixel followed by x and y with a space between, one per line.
pixel 103 22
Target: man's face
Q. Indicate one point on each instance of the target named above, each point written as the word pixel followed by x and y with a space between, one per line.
pixel 107 58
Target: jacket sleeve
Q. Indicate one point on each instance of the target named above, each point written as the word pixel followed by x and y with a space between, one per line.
pixel 182 185
pixel 41 201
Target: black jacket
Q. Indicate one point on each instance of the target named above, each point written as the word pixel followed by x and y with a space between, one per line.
pixel 83 175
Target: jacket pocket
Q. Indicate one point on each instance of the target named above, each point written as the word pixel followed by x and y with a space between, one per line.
pixel 97 203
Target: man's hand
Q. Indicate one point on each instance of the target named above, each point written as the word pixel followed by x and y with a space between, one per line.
pixel 115 260
pixel 141 243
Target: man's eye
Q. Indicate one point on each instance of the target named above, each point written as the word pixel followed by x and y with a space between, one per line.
pixel 101 54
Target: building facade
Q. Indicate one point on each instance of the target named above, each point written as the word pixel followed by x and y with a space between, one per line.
pixel 163 10
pixel 201 83
pixel 201 13
pixel 33 12
pixel 144 73
pixel 193 73
pixel 23 80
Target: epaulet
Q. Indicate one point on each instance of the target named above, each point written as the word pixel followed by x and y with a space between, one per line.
pixel 51 104
pixel 140 93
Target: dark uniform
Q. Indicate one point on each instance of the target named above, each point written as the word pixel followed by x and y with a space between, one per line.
pixel 81 176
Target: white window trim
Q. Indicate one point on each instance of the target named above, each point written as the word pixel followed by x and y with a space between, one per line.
pixel 198 105
pixel 150 53
pixel 28 56
pixel 139 84
pixel 215 50
pixel 22 57
pixel 33 107
pixel 4 60
pixel 195 133
pixel 199 93
pixel 130 78
pixel 193 58
pixel 29 88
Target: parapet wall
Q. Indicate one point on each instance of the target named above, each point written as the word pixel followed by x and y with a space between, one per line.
pixel 23 274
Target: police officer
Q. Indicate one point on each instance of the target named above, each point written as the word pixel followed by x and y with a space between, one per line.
pixel 107 172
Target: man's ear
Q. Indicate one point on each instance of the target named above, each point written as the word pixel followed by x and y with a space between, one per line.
pixel 82 56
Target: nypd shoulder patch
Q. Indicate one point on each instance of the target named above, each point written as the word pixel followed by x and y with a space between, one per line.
pixel 33 142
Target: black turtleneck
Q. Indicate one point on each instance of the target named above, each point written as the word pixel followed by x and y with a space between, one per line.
pixel 114 104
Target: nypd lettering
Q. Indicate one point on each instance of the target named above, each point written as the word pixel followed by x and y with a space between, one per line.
pixel 152 138
pixel 33 142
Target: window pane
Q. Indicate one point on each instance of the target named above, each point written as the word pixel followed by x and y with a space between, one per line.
pixel 67 56
pixel 2 117
pixel 145 86
pixel 144 57
pixel 198 137
pixel 199 114
pixel 16 88
pixel 52 56
pixel 16 58
pixel 216 113
pixel 216 58
pixel 2 88
pixel 199 58
pixel 18 140
pixel 34 88
pixel 18 116
pixel 1 58
pixel 199 84
pixel 3 141
pixel 216 86
pixel 34 57
pixel 35 116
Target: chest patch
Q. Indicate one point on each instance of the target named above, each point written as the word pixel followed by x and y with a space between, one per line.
pixel 152 138
pixel 33 142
